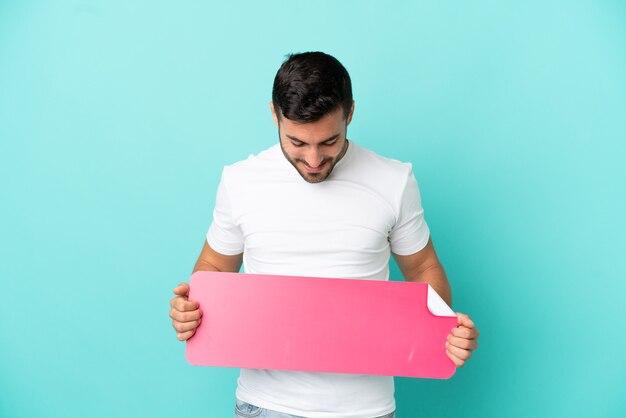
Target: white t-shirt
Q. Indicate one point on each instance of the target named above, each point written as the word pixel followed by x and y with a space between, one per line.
pixel 343 227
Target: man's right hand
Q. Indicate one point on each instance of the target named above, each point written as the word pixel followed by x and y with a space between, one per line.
pixel 186 315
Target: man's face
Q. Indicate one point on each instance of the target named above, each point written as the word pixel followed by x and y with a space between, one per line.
pixel 314 148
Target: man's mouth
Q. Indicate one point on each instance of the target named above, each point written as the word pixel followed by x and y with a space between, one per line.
pixel 317 169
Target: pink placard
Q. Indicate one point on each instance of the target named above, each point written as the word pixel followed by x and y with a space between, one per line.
pixel 319 325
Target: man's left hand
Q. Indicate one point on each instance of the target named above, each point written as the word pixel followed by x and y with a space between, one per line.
pixel 462 341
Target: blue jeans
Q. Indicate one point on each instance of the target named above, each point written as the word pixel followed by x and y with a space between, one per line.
pixel 246 410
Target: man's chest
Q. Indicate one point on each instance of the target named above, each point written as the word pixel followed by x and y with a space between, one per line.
pixel 338 218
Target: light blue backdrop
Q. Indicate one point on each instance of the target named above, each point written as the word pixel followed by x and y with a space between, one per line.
pixel 116 118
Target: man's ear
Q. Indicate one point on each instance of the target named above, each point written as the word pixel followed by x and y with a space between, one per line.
pixel 349 119
pixel 273 113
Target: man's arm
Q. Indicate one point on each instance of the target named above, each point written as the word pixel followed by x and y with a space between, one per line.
pixel 424 266
pixel 211 260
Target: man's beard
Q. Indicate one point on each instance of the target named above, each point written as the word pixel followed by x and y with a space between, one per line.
pixel 315 177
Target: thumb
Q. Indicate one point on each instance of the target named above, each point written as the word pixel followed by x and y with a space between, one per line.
pixel 182 289
pixel 464 320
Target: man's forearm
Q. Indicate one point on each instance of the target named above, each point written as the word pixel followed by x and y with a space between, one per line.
pixel 436 277
pixel 204 266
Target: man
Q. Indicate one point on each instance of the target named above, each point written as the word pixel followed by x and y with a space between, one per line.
pixel 317 204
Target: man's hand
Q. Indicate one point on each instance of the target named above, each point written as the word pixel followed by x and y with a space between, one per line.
pixel 462 340
pixel 186 315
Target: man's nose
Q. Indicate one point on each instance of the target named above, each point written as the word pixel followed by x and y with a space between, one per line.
pixel 315 157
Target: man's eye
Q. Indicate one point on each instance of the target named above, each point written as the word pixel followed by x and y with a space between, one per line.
pixel 330 143
pixel 297 144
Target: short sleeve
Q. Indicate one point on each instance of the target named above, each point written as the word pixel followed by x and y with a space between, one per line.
pixel 224 235
pixel 410 233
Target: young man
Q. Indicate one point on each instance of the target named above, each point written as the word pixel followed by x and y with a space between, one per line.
pixel 317 204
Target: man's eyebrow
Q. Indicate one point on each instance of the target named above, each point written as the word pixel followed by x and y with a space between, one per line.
pixel 293 138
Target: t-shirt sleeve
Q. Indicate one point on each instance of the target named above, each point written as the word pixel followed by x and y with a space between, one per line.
pixel 224 235
pixel 410 233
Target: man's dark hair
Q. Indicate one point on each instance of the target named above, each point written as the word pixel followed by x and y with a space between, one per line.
pixel 309 85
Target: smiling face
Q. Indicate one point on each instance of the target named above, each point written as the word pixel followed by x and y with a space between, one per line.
pixel 313 148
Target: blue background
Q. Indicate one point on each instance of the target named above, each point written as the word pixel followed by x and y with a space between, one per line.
pixel 116 118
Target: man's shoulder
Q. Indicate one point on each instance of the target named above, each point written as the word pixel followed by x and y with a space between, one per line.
pixel 260 161
pixel 368 160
